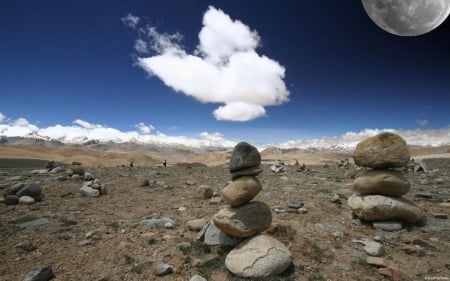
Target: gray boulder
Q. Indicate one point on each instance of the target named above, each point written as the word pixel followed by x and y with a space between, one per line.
pixel 244 156
pixel 244 221
pixel 383 208
pixel 260 256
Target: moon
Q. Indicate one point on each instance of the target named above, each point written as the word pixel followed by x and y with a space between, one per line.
pixel 407 17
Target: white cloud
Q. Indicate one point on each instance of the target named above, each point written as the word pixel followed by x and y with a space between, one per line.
pixel 349 140
pixel 239 111
pixel 225 68
pixel 130 20
pixel 422 122
pixel 2 117
pixel 144 129
pixel 221 37
pixel 140 46
pixel 81 131
pixel 86 124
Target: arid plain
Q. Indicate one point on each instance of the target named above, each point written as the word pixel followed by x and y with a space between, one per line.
pixel 101 238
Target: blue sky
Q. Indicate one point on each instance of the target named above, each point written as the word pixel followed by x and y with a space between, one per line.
pixel 77 64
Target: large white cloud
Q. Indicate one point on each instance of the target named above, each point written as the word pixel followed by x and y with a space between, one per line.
pixel 225 68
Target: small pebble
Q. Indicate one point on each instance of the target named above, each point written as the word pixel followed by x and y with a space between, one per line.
pixel 440 216
pixel 163 269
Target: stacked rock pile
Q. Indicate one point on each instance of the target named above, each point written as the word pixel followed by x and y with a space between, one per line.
pixel 381 187
pixel 23 193
pixel 258 255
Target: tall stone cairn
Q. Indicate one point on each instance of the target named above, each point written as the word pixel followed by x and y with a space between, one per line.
pixel 257 255
pixel 380 189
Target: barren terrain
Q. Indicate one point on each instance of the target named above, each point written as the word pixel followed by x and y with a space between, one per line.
pixel 321 241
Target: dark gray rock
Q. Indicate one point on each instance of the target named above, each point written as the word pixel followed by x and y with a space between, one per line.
pixel 32 189
pixel 11 200
pixel 244 156
pixel 40 273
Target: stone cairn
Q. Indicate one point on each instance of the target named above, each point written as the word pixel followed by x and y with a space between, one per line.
pixel 380 188
pixel 241 224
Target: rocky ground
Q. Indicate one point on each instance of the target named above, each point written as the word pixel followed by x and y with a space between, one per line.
pixel 101 239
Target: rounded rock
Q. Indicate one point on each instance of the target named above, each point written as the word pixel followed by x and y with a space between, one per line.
pixel 241 191
pixel 32 189
pixel 260 256
pixel 382 208
pixel 382 182
pixel 244 221
pixel 244 156
pixel 26 200
pixel 383 151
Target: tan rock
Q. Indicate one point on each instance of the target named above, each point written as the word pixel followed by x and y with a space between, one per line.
pixel 241 191
pixel 385 150
pixel 26 200
pixel 382 208
pixel 382 182
pixel 260 256
pixel 244 221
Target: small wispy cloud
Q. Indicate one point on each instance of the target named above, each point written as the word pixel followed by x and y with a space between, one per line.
pixel 422 122
pixel 143 128
pixel 225 67
pixel 2 117
pixel 130 20
pixel 141 46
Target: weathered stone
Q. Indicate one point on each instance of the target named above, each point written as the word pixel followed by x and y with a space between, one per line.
pixel 252 172
pixel 76 170
pixel 244 156
pixel 144 183
pixel 376 261
pixel 215 236
pixel 163 269
pixel 244 221
pixel 196 225
pixel 197 278
pixel 382 182
pixel 205 191
pixel 241 191
pixel 295 205
pixel 385 150
pixel 88 176
pixel 444 205
pixel 26 200
pixel 382 208
pixel 32 189
pixel 260 256
pixel 372 248
pixel 40 273
pixel 394 274
pixel 89 192
pixel 387 225
pixel 157 223
pixel 440 216
pixel 34 223
pixel 11 200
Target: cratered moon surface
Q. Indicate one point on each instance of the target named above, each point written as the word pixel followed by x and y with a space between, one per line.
pixel 407 17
